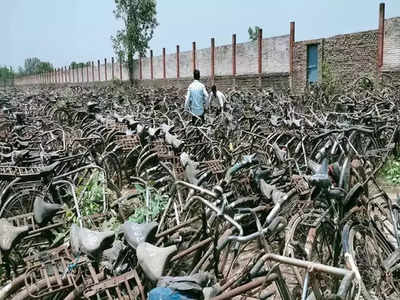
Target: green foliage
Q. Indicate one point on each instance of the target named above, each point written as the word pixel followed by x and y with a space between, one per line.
pixel 330 83
pixel 33 66
pixel 391 170
pixel 92 195
pixel 253 33
pixel 139 19
pixel 75 65
pixel 6 76
pixel 157 203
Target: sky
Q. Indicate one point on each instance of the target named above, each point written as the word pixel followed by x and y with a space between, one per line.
pixel 62 31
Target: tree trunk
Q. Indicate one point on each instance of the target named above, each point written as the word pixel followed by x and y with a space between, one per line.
pixel 130 64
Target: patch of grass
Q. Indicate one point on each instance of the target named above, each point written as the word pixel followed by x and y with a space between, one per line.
pixel 391 170
pixel 157 203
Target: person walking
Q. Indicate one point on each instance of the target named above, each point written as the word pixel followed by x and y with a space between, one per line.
pixel 216 100
pixel 196 98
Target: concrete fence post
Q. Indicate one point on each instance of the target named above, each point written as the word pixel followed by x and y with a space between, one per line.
pixel 120 68
pixel 151 65
pixel 381 34
pixel 234 54
pixel 82 74
pixel 140 68
pixel 112 67
pixel 65 74
pixel 212 60
pixel 105 69
pixel 291 53
pixel 259 51
pixel 259 57
pixel 177 62
pixel 56 73
pixel 194 56
pixel 87 71
pixel 92 71
pixel 163 58
pixel 69 73
pixel 98 69
pixel 77 74
pixel 73 73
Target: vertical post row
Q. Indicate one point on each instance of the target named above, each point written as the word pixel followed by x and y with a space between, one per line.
pixel 82 74
pixel 69 73
pixel 92 71
pixel 381 34
pixel 234 54
pixel 177 62
pixel 120 68
pixel 112 68
pixel 56 75
pixel 163 59
pixel 291 48
pixel 66 74
pixel 140 68
pixel 87 71
pixel 194 56
pixel 105 69
pixel 98 69
pixel 212 59
pixel 73 74
pixel 259 51
pixel 151 64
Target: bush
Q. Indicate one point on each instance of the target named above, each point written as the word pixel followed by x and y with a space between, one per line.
pixel 391 170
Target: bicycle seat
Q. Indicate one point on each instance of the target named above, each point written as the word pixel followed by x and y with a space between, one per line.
pixel 91 243
pixel 118 118
pixel 48 169
pixel 314 166
pixel 135 233
pixel 17 154
pixel 191 168
pixel 153 259
pixel 21 144
pixel 132 123
pixel 154 131
pixel 321 178
pixel 10 234
pixel 166 128
pixel 44 211
pixel 173 141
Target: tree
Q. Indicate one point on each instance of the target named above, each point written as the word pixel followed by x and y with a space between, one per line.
pixel 253 33
pixel 75 65
pixel 6 75
pixel 34 65
pixel 139 19
pixel 31 65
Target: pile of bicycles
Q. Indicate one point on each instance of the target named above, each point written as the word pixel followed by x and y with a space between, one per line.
pixel 113 193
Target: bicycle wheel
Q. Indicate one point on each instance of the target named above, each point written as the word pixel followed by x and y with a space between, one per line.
pixel 368 252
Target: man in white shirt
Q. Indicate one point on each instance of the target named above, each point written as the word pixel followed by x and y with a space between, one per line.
pixel 216 100
pixel 196 98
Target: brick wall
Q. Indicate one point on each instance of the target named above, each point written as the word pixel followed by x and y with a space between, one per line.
pixel 344 58
pixel 277 81
pixel 391 50
pixel 351 56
